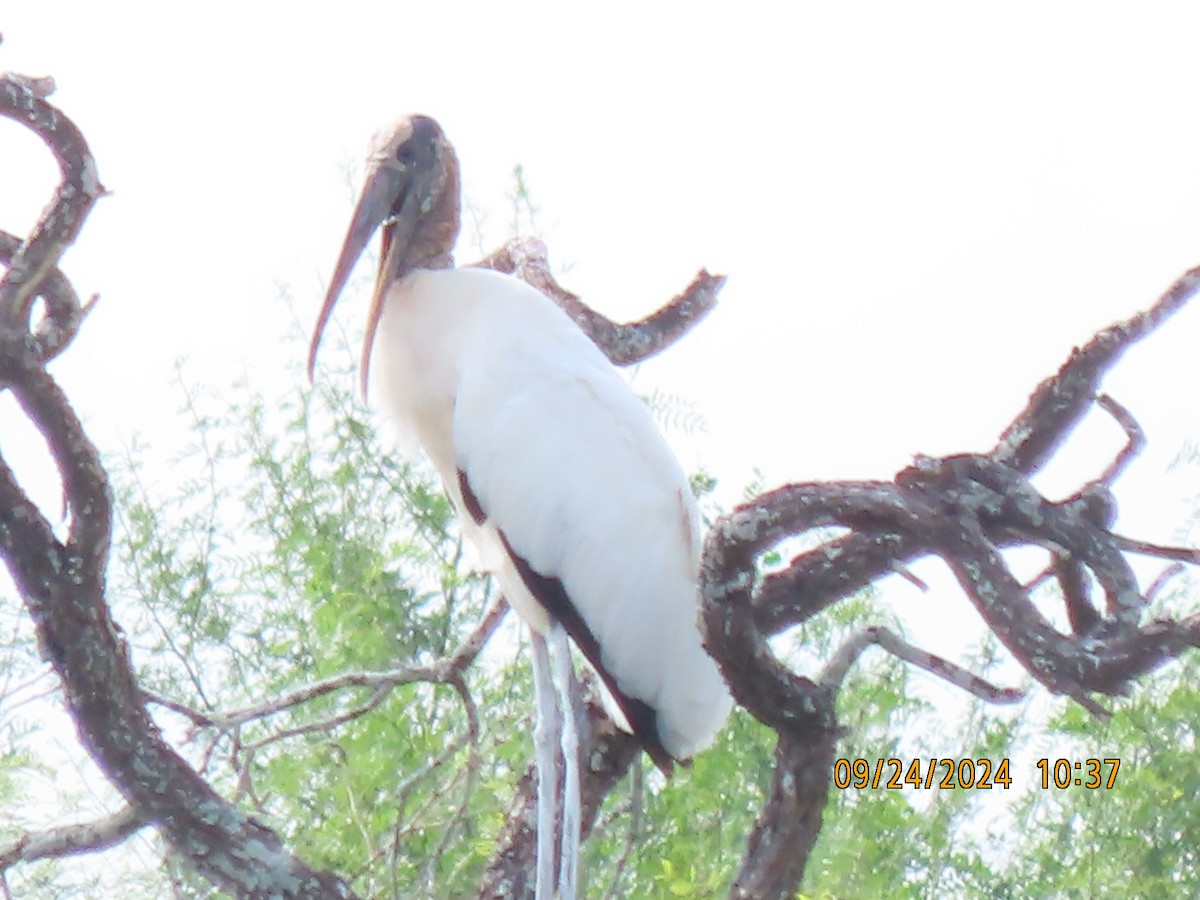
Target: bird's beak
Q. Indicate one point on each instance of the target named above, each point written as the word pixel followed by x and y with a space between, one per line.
pixel 394 199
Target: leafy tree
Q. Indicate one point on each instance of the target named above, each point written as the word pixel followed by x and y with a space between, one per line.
pixel 340 705
pixel 300 547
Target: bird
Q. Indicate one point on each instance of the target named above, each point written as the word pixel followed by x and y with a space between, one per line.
pixel 556 469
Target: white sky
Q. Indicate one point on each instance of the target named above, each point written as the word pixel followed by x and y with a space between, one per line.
pixel 921 207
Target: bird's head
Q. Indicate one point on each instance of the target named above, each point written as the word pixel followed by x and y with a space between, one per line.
pixel 411 190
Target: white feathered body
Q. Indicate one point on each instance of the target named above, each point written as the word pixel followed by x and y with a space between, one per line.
pixel 495 381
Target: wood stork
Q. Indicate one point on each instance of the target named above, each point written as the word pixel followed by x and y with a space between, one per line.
pixel 556 469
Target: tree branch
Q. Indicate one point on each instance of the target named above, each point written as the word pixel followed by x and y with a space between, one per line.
pixel 24 100
pixel 848 653
pixel 62 582
pixel 964 509
pixel 63 313
pixel 444 671
pixel 69 840
pixel 1060 401
pixel 623 344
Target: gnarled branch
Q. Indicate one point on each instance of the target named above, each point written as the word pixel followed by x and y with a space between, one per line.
pixel 964 509
pixel 62 581
pixel 623 344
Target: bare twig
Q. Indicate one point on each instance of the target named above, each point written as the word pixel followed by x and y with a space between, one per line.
pixel 1157 585
pixel 1133 432
pixel 908 575
pixel 835 670
pixel 70 840
pixel 633 834
pixel 447 670
pixel 1145 548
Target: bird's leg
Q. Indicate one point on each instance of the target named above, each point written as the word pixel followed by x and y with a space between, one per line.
pixel 568 705
pixel 546 753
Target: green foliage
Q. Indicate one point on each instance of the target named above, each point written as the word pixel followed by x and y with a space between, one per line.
pixel 697 825
pixel 1137 838
pixel 674 412
pixel 524 210
pixel 290 543
pixel 299 546
pixel 305 547
pixel 877 841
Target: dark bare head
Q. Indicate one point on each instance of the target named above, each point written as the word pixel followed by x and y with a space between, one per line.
pixel 411 190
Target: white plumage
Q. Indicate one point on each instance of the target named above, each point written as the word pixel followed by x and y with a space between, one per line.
pixel 555 467
pixel 495 380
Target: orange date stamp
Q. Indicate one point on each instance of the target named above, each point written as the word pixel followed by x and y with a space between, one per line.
pixel 924 774
pixel 971 774
pixel 1085 773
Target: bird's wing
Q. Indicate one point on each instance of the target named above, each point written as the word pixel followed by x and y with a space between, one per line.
pixel 597 520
